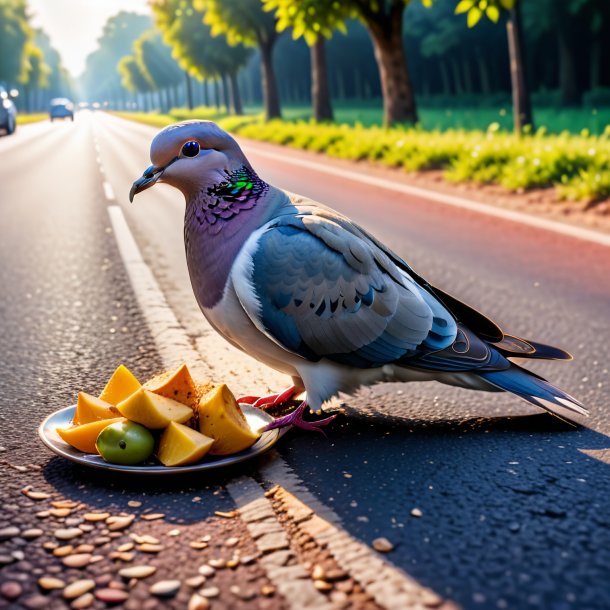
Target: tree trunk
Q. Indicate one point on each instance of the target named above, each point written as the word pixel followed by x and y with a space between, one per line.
pixel 216 94
pixel 595 63
pixel 235 95
pixel 320 93
pixel 225 93
pixel 457 77
pixel 468 86
pixel 522 110
pixel 189 90
pixel 567 70
pixel 271 99
pixel 206 93
pixel 445 77
pixel 483 73
pixel 386 34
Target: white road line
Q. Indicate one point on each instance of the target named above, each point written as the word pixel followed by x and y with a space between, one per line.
pixel 596 237
pixel 174 347
pixel 108 190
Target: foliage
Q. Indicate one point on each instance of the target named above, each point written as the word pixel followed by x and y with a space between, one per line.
pixel 310 18
pixel 575 164
pixel 26 119
pixel 192 43
pixel 241 21
pixel 101 79
pixel 15 37
pixel 155 60
pixel 133 78
pixel 475 9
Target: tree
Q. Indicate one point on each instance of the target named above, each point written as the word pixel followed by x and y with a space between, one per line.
pixel 196 50
pixel 15 41
pixel 245 22
pixel 475 9
pixel 133 78
pixel 155 60
pixel 101 80
pixel 310 20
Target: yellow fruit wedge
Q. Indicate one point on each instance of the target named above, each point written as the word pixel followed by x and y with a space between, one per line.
pixel 83 437
pixel 180 445
pixel 221 418
pixel 177 385
pixel 153 411
pixel 121 385
pixel 90 408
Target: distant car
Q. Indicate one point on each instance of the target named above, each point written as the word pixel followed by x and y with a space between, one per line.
pixel 8 112
pixel 61 108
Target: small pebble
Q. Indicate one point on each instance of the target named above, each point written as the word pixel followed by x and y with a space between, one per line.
pixel 9 532
pixel 146 539
pixel 210 592
pixel 64 504
pixel 128 546
pixel 198 602
pixel 82 602
pixel 18 555
pixel 322 585
pixel 36 602
pixel 230 542
pixel 119 523
pixel 137 572
pixel 126 557
pixel 11 589
pixel 245 594
pixel 318 573
pixel 247 560
pixel 150 548
pixel 206 538
pixel 32 533
pixel 79 560
pixel 232 563
pixel 134 503
pixel 49 545
pixel 96 516
pixel 206 570
pixel 197 545
pixel 86 527
pixel 37 495
pixel 96 558
pixel 43 514
pixel 382 545
pixel 153 516
pixel 68 534
pixel 165 588
pixel 226 514
pixel 217 563
pixel 416 512
pixel 78 588
pixel 62 551
pixel 111 596
pixel 267 590
pixel 59 512
pixel 175 532
pixel 84 548
pixel 195 581
pixel 48 583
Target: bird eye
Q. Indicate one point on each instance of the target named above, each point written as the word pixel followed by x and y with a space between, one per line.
pixel 190 149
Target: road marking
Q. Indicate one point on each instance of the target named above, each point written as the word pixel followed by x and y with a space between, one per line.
pixel 452 200
pixel 108 190
pixel 174 347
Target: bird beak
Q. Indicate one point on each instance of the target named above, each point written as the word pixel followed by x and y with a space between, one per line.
pixel 149 177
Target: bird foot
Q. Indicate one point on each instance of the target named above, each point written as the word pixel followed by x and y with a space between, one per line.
pixel 296 419
pixel 272 400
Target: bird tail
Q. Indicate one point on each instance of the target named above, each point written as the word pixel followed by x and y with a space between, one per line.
pixel 535 390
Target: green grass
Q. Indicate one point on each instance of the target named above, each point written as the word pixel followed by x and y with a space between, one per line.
pixel 577 165
pixel 25 119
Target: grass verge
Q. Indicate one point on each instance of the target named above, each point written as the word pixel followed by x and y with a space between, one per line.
pixel 25 119
pixel 578 166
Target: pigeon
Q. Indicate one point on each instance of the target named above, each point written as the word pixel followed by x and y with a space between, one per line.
pixel 308 292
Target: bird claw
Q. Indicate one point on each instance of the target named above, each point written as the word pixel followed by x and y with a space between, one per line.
pixel 296 419
pixel 272 400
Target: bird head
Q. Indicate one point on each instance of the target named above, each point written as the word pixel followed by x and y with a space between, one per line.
pixel 190 156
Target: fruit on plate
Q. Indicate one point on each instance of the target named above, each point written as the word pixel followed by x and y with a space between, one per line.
pixel 221 418
pixel 125 442
pixel 121 385
pixel 180 445
pixel 91 408
pixel 153 411
pixel 83 437
pixel 177 385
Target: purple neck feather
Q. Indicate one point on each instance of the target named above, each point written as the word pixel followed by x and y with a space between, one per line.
pixel 217 223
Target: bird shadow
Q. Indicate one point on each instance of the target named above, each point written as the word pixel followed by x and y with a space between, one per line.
pixel 511 511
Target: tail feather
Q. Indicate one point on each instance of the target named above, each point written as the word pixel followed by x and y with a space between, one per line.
pixel 535 390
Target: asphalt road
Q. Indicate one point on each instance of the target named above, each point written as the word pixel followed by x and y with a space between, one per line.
pixel 515 506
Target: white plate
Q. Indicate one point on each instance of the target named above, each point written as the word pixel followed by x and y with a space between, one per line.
pixel 256 418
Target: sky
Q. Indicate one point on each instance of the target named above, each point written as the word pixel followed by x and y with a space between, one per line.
pixel 75 25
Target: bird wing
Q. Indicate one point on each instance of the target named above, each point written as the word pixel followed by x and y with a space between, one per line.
pixel 321 290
